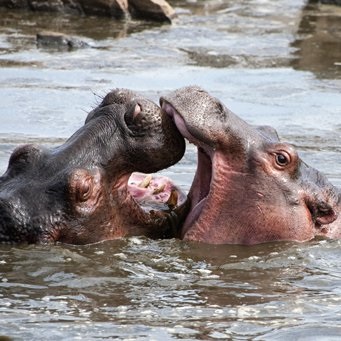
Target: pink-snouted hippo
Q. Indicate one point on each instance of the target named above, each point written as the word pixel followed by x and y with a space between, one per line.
pixel 84 191
pixel 249 187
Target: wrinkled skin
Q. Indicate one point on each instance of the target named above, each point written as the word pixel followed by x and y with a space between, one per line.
pixel 78 192
pixel 249 187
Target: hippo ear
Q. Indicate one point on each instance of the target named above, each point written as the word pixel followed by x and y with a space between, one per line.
pixel 84 189
pixel 268 132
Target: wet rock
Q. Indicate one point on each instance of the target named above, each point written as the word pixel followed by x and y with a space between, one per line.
pixel 154 10
pixel 51 6
pixel 113 8
pixel 37 5
pixel 331 2
pixel 203 57
pixel 59 41
pixel 158 10
pixel 24 4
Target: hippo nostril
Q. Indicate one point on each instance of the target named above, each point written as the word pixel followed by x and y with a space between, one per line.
pixel 322 213
pixel 137 110
pixel 132 115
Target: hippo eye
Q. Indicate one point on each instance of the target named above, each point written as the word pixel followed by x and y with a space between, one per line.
pixel 282 159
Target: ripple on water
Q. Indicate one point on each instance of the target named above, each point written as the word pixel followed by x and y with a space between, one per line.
pixel 253 55
pixel 174 288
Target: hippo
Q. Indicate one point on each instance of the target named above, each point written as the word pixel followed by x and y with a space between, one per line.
pixel 249 187
pixel 85 191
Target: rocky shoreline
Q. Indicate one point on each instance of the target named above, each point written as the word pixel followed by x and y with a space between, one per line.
pixel 151 10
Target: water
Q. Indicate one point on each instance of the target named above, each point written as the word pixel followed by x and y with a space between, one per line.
pixel 271 62
pixel 143 289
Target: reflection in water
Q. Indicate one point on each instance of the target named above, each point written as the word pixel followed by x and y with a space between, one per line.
pixel 318 41
pixel 316 48
pixel 27 24
pixel 228 32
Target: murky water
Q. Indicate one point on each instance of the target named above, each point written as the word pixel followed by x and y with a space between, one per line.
pixel 271 62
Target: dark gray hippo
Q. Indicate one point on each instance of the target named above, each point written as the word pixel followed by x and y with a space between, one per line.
pixel 83 192
pixel 249 187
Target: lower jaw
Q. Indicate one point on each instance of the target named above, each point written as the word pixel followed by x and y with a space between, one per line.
pixel 193 216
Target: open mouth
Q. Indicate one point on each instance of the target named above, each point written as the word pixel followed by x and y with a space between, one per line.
pixel 155 192
pixel 157 201
pixel 201 185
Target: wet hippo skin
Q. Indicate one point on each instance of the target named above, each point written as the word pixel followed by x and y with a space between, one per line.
pixel 79 192
pixel 249 187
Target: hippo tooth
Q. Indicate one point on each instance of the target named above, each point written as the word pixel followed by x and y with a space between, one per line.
pixel 145 182
pixel 173 199
pixel 159 189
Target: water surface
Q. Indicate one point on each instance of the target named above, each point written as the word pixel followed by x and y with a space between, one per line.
pixel 271 62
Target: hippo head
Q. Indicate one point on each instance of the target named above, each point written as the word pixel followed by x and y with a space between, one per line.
pixel 79 192
pixel 249 187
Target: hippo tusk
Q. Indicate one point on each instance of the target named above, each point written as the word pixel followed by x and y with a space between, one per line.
pixel 172 201
pixel 159 189
pixel 145 182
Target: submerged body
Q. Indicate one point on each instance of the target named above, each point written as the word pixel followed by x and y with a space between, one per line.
pixel 79 193
pixel 249 187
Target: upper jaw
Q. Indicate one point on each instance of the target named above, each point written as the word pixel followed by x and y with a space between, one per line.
pixel 177 119
pixel 192 134
pixel 200 188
